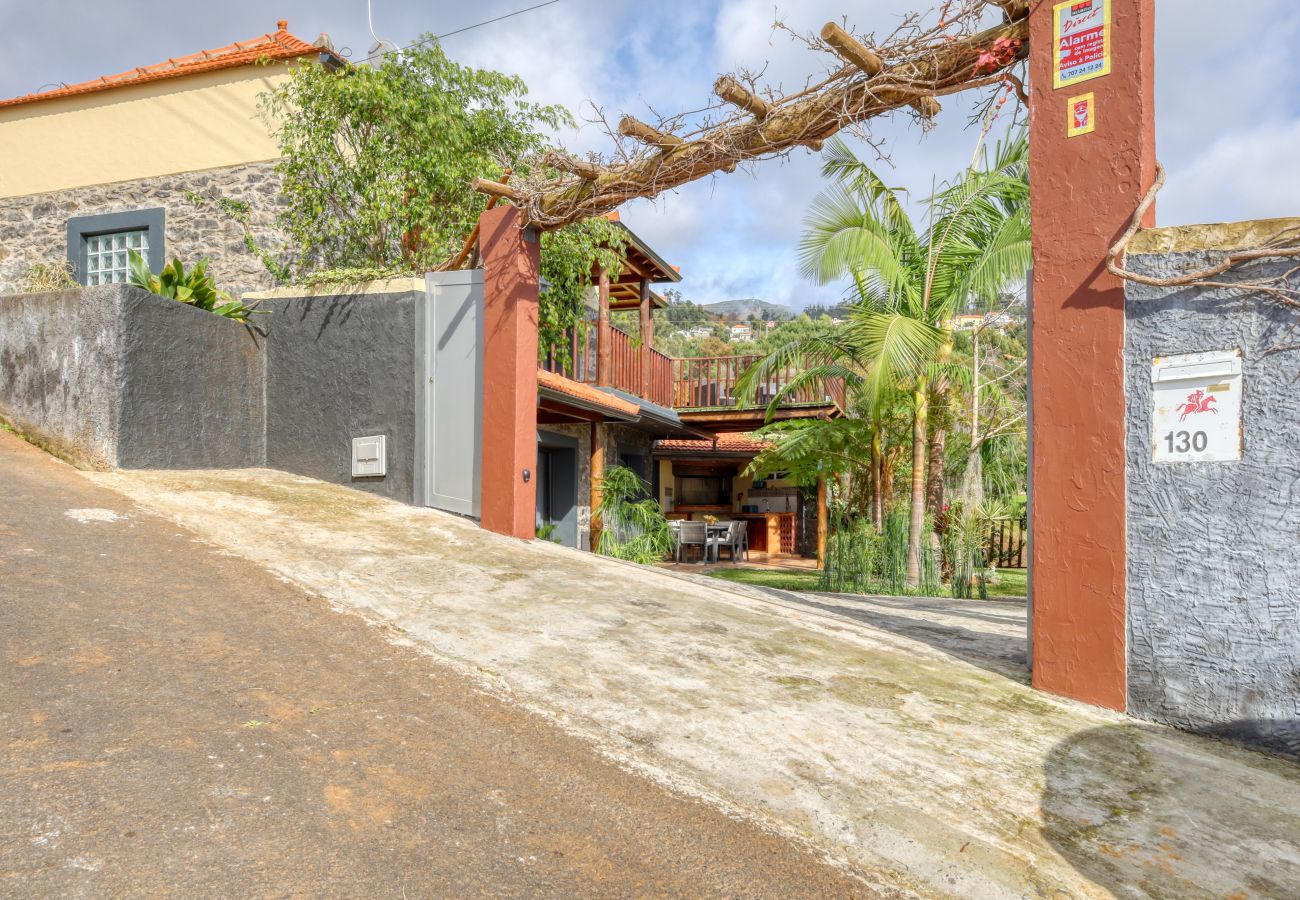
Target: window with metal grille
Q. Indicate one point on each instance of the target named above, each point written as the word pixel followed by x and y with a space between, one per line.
pixel 108 255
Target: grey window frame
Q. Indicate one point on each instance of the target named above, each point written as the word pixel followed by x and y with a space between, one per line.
pixel 148 220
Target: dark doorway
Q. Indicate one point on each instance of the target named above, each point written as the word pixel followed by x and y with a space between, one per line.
pixel 557 487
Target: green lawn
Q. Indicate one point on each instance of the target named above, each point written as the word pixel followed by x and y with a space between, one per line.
pixel 786 580
pixel 1011 582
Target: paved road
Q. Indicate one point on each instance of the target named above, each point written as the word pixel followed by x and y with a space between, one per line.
pixel 174 720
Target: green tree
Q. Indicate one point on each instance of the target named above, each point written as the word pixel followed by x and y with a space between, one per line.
pixel 377 163
pixel 377 160
pixel 907 281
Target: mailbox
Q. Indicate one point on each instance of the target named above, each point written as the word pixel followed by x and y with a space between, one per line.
pixel 1197 407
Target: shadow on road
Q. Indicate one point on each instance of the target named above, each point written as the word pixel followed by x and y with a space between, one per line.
pixel 1144 810
pixel 931 621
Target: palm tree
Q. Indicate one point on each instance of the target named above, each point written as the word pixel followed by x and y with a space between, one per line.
pixel 907 283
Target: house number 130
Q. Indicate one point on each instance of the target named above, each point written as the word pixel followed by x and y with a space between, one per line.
pixel 1182 441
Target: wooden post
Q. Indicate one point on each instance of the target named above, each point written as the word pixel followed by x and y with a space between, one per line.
pixel 822 523
pixel 604 340
pixel 1084 192
pixel 647 338
pixel 597 473
pixel 511 274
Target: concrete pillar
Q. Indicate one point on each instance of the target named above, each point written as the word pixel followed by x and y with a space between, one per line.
pixel 1084 192
pixel 511 270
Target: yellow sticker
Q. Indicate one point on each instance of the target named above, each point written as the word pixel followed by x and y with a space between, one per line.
pixel 1083 41
pixel 1082 112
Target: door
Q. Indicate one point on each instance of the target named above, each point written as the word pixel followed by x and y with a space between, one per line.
pixel 557 487
pixel 449 336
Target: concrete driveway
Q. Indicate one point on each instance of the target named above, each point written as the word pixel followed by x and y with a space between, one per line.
pixel 176 721
pixel 903 741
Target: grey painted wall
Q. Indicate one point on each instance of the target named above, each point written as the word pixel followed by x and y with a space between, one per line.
pixel 338 368
pixel 59 370
pixel 1213 569
pixel 114 376
pixel 190 387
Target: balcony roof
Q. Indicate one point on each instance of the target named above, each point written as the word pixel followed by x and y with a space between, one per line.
pixel 642 264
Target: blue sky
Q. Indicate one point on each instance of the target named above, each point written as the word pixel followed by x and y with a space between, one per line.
pixel 1228 121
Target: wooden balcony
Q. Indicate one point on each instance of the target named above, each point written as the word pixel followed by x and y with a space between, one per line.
pixel 702 388
pixel 638 370
pixel 710 383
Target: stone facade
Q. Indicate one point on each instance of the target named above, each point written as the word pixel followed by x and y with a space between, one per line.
pixel 33 228
pixel 1213 604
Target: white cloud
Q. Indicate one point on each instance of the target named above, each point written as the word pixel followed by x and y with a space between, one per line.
pixel 1243 175
pixel 1228 114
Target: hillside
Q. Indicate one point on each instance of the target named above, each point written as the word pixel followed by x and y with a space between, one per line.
pixel 751 306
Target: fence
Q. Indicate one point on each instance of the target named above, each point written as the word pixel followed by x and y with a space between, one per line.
pixel 1007 543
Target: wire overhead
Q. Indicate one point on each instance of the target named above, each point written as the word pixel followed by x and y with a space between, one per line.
pixel 447 34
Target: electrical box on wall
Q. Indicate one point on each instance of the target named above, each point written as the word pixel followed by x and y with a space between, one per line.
pixel 1197 407
pixel 370 456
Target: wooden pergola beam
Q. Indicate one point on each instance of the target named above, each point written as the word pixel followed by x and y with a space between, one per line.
pixel 566 163
pixel 854 52
pixel 497 189
pixel 947 69
pixel 851 50
pixel 634 128
pixel 736 94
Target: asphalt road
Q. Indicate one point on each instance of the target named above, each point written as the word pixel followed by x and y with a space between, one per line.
pixel 177 721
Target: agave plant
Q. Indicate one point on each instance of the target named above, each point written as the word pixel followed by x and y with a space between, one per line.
pixel 195 287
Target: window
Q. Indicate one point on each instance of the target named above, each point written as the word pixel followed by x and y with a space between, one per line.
pixel 107 255
pixel 98 246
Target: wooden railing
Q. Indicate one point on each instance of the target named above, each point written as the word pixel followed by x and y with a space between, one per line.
pixel 662 384
pixel 627 364
pixel 710 382
pixel 696 383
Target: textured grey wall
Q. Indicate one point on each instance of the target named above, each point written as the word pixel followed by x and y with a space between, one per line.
pixel 1213 570
pixel 32 228
pixel 338 368
pixel 59 356
pixel 191 391
pixel 115 376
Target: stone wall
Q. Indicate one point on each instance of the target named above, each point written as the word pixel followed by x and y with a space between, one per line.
pixel 1213 572
pixel 33 228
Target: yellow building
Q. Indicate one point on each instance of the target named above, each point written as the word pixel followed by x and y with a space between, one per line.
pixel 95 168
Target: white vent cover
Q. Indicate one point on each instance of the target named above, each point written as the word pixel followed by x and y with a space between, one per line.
pixel 370 456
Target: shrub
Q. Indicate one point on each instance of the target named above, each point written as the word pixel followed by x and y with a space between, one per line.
pixel 195 287
pixel 43 277
pixel 632 525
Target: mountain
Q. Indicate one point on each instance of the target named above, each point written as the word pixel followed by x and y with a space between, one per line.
pixel 751 306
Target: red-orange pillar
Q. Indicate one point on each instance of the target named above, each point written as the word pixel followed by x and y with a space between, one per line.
pixel 1084 192
pixel 511 270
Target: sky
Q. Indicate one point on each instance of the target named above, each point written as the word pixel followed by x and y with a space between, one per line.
pixel 1228 113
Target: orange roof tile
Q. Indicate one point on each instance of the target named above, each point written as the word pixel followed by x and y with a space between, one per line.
pixel 279 45
pixel 585 392
pixel 724 443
